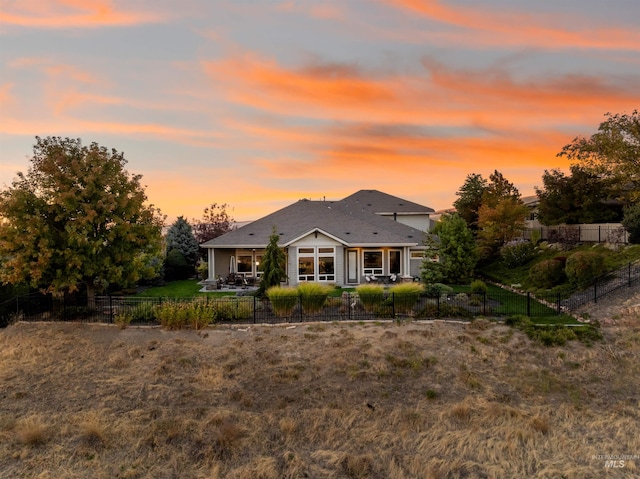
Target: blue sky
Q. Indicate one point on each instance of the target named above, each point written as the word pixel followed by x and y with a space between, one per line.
pixel 260 103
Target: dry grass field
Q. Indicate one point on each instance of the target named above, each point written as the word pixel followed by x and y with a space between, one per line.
pixel 392 401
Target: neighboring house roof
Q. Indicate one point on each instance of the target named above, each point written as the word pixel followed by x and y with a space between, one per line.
pixel 345 221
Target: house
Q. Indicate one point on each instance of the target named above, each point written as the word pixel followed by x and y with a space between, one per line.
pixel 368 233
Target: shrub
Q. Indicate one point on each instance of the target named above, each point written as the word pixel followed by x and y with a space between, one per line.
pixel 313 296
pixel 283 299
pixel 178 315
pixel 631 221
pixel 405 296
pixel 142 312
pixel 546 274
pixel 517 253
pixel 437 289
pixel 479 287
pixel 123 319
pixel 234 308
pixel 371 295
pixel 583 267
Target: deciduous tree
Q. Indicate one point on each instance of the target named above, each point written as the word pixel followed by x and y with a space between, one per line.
pixel 500 223
pixel 612 152
pixel 215 222
pixel 580 197
pixel 77 217
pixel 501 215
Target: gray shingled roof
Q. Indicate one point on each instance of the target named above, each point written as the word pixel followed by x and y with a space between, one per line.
pixel 383 203
pixel 344 220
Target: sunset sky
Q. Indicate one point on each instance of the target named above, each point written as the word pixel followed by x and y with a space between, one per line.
pixel 258 103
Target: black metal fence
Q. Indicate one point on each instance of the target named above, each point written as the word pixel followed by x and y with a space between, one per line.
pixel 347 307
pixel 604 286
pixel 250 309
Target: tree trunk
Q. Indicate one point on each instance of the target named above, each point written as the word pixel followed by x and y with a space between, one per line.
pixel 91 294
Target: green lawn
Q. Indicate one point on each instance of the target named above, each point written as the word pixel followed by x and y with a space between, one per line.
pixel 186 288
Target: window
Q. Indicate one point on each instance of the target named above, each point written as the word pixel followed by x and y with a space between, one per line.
pixel 417 255
pixel 316 264
pixel 372 262
pixel 244 265
pixel 326 264
pixel 306 264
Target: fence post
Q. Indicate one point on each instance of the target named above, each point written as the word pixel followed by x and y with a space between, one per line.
pixel 111 309
pixel 254 310
pixel 393 305
pixel 558 303
pixel 484 303
pixel 528 304
pixel 438 305
pixel 599 226
pixel 349 305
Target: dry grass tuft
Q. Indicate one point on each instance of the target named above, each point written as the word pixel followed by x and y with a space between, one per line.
pixel 32 431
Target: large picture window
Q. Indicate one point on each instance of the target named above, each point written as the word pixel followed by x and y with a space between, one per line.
pixel 372 262
pixel 316 264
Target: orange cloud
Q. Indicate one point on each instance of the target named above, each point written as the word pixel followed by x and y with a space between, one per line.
pixel 500 28
pixel 440 96
pixel 72 14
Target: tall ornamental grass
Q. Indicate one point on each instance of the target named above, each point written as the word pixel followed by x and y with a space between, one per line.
pixel 313 296
pixel 405 296
pixel 283 299
pixel 371 295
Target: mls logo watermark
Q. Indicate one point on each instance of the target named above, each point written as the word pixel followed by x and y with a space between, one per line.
pixel 616 461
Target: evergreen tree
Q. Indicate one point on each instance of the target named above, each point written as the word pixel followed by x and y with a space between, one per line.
pixel 272 265
pixel 470 199
pixel 180 237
